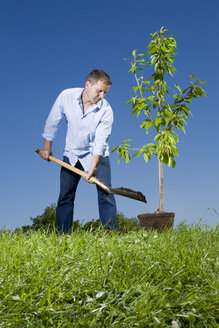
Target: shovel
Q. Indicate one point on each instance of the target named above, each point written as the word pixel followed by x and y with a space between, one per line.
pixel 116 191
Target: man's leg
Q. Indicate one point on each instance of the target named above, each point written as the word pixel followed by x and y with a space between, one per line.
pixel 65 207
pixel 106 202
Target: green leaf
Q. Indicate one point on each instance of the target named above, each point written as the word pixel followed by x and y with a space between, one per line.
pixel 114 148
pixel 189 100
pixel 172 162
pixel 146 157
pixel 127 157
pixel 155 103
pixel 134 52
pixel 154 35
pixel 132 69
pixel 151 98
pixel 129 101
pixel 127 140
pixel 178 88
pixel 141 55
pixel 120 157
pixel 146 82
pixel 153 59
pixel 198 91
pixel 147 63
pixel 158 121
pixel 165 159
pixel 146 124
pixel 150 145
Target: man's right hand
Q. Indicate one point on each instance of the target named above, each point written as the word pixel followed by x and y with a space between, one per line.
pixel 45 154
pixel 46 151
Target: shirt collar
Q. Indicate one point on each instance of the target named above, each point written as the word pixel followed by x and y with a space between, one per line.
pixel 93 108
pixel 79 98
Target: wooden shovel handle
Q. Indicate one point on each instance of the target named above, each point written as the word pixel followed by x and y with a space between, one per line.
pixel 75 170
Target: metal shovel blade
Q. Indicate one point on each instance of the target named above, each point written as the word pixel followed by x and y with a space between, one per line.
pixel 128 193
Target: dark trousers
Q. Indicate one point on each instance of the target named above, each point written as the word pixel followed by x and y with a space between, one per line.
pixel 68 185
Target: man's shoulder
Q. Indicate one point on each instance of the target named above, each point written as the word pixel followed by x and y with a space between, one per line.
pixel 74 92
pixel 105 105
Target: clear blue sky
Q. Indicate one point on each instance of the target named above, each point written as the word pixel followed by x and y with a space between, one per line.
pixel 50 45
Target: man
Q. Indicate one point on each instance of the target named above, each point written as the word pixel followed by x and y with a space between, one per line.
pixel 89 123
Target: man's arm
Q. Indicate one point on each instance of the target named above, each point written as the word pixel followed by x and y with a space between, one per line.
pixel 93 167
pixel 101 136
pixel 51 127
pixel 46 150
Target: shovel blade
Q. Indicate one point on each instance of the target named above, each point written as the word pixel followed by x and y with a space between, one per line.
pixel 137 195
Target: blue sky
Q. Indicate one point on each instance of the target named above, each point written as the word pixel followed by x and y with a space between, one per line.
pixel 50 45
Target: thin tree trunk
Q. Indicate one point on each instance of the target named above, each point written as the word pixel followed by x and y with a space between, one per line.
pixel 160 185
pixel 160 208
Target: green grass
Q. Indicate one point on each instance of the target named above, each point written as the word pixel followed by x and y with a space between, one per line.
pixel 93 279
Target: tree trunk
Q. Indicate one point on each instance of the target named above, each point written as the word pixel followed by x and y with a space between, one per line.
pixel 160 208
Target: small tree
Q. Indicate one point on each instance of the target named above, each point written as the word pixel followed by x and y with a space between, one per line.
pixel 163 116
pixel 46 220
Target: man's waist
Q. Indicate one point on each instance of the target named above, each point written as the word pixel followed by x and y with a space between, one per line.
pixel 77 152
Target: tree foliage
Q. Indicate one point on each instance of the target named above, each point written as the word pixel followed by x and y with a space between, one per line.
pixel 47 222
pixel 152 100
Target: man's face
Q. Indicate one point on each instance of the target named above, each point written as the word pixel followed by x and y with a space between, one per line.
pixel 96 92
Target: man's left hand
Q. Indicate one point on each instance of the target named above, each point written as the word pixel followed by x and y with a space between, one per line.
pixel 91 173
pixel 93 167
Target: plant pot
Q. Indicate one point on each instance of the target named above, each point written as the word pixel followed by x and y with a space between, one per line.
pixel 157 221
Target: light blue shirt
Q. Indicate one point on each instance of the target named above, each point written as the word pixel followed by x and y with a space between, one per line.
pixel 86 134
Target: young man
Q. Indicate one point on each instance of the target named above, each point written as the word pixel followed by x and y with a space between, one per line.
pixel 89 123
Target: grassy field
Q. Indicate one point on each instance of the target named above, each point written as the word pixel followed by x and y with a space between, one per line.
pixel 93 279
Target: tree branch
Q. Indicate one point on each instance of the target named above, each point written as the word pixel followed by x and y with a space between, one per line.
pixel 149 113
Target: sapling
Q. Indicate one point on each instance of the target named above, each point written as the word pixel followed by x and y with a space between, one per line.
pixel 151 99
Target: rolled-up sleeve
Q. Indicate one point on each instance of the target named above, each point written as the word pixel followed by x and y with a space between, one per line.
pixel 103 132
pixel 54 119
